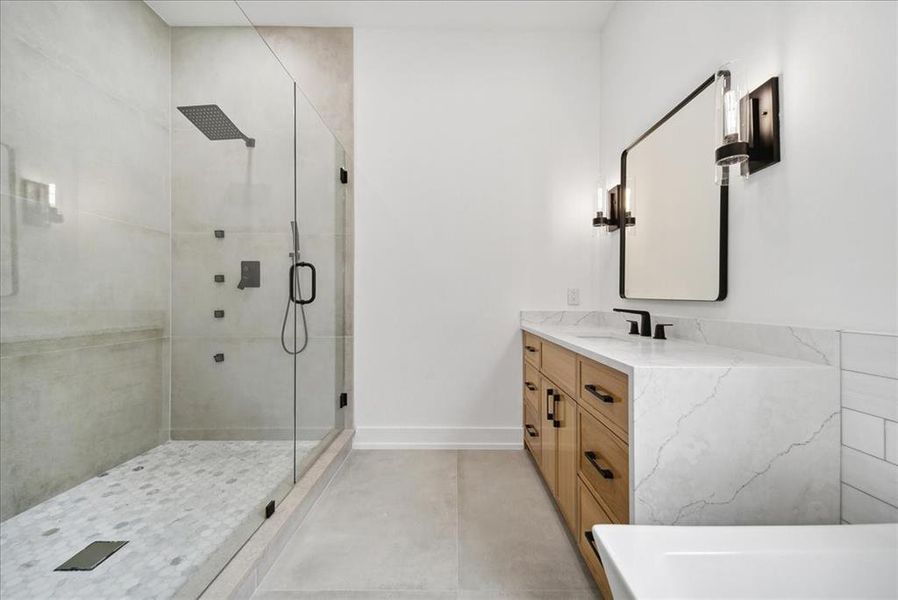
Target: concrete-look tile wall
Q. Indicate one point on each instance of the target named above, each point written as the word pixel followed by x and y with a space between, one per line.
pixel 869 428
pixel 85 252
pixel 248 193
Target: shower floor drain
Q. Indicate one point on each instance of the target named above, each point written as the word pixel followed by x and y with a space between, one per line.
pixel 91 556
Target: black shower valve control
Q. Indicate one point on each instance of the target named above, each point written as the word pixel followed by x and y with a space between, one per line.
pixel 249 274
pixel 219 357
pixel 219 278
pixel 219 234
pixel 218 314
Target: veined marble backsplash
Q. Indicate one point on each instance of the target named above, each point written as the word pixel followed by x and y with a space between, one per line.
pixel 813 345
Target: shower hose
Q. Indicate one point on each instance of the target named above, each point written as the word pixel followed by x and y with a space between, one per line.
pixel 302 308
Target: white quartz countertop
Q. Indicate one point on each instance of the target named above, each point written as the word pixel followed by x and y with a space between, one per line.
pixel 627 352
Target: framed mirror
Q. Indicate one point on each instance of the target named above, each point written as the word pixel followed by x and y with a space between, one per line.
pixel 674 244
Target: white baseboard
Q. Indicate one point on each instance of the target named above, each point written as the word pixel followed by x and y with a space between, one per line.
pixel 433 438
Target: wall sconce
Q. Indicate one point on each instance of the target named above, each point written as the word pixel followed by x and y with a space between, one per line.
pixel 747 126
pixel 612 221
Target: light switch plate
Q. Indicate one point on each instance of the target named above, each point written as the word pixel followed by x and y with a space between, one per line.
pixel 573 296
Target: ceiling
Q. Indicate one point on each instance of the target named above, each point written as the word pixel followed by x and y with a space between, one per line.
pixel 559 15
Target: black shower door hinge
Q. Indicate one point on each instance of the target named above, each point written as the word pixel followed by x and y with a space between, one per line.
pixel 344 175
pixel 344 399
pixel 269 509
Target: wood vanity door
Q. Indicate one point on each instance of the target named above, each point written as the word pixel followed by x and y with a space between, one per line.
pixel 566 433
pixel 549 398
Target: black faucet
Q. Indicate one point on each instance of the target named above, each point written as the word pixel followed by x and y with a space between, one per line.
pixel 645 328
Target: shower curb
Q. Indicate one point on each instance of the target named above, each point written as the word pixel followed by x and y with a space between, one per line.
pixel 243 573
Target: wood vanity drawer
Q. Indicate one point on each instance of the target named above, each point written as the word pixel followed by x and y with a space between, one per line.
pixel 532 349
pixel 560 365
pixel 531 431
pixel 604 465
pixel 531 385
pixel 591 513
pixel 605 390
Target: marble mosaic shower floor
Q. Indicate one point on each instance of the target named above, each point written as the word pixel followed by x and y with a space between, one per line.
pixel 178 505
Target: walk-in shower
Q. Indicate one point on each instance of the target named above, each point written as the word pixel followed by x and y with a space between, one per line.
pixel 145 263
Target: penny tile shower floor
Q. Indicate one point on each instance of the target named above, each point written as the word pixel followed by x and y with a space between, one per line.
pixel 176 504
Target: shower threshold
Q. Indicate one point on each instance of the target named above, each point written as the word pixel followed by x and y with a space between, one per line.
pixel 184 506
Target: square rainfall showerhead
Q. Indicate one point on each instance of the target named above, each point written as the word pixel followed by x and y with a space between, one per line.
pixel 214 123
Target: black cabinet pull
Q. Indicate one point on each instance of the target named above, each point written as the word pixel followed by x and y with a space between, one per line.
pixel 530 386
pixel 599 393
pixel 531 431
pixel 550 405
pixel 594 461
pixel 591 540
pixel 555 422
pixel 530 348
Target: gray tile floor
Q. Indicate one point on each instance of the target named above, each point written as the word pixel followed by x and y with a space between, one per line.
pixel 431 524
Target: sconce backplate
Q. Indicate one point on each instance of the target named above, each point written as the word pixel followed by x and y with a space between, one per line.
pixel 762 108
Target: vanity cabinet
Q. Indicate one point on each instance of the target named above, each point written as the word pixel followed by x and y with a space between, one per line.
pixel 675 432
pixel 576 429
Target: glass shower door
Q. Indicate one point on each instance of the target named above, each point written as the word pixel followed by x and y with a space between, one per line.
pixel 321 216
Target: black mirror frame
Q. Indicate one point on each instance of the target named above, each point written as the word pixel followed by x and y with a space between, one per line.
pixel 724 204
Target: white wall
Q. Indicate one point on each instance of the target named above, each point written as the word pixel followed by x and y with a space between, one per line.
pixel 476 160
pixel 812 239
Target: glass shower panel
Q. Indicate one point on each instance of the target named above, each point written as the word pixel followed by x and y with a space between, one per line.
pixel 232 204
pixel 321 214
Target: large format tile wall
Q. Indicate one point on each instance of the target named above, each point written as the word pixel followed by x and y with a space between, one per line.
pixel 869 428
pixel 85 253
pixel 248 193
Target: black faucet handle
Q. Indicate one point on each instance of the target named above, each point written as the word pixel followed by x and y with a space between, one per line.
pixel 634 327
pixel 645 320
pixel 659 330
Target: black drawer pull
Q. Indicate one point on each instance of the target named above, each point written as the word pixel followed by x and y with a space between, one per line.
pixel 591 540
pixel 599 393
pixel 531 431
pixel 594 461
pixel 530 386
pixel 530 348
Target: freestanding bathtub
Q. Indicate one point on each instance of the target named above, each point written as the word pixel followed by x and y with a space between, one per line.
pixel 812 561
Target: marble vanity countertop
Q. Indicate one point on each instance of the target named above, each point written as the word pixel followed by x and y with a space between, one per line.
pixel 628 352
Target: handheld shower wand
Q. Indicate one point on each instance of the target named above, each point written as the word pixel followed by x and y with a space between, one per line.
pixel 294 295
